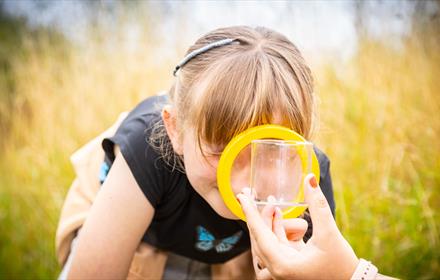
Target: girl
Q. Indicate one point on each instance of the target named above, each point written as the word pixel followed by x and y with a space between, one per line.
pixel 159 174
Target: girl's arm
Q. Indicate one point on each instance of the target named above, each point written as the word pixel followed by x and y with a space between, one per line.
pixel 114 227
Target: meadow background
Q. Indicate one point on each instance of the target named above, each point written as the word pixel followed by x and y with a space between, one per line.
pixel 67 70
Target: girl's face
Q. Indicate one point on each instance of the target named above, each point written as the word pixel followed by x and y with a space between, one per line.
pixel 201 170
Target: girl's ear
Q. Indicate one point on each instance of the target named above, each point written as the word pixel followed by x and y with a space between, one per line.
pixel 169 120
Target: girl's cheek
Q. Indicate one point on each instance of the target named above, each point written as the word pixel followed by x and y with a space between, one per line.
pixel 210 166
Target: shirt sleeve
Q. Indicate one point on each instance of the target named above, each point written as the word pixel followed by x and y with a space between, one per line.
pixel 325 183
pixel 144 162
pixel 325 180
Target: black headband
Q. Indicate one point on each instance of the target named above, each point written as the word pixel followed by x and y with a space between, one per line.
pixel 195 53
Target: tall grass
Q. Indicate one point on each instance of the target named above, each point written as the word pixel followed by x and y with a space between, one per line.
pixel 381 129
pixel 379 124
pixel 63 95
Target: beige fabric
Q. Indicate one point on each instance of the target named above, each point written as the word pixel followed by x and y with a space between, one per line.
pixel 86 162
pixel 239 268
pixel 148 263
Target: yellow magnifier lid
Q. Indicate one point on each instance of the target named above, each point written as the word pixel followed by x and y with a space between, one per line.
pixel 236 145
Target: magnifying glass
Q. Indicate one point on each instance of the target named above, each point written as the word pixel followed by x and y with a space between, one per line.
pixel 277 153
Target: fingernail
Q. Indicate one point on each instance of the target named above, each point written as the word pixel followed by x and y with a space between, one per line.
pixel 246 191
pixel 313 182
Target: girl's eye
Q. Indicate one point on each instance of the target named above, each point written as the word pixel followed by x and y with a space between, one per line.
pixel 214 155
pixel 215 152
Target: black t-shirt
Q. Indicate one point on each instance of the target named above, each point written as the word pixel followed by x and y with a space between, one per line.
pixel 183 221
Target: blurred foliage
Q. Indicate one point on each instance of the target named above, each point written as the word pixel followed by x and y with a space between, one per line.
pixel 379 125
pixel 11 33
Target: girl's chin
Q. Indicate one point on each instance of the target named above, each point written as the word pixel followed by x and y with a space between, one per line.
pixel 216 202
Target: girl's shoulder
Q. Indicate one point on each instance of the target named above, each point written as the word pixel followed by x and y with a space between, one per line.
pixel 135 129
pixel 145 162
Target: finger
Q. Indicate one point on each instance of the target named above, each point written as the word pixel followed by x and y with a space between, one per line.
pixel 255 222
pixel 278 227
pixel 247 191
pixel 263 237
pixel 255 251
pixel 295 228
pixel 254 244
pixel 267 214
pixel 263 274
pixel 297 245
pixel 258 264
pixel 322 218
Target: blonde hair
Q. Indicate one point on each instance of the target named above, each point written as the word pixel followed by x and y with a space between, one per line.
pixel 259 79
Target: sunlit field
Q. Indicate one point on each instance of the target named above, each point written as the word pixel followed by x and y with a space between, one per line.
pixel 379 124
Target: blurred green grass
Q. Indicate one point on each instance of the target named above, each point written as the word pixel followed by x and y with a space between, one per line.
pixel 379 120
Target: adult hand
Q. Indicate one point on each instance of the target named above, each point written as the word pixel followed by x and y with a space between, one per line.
pixel 326 255
pixel 289 231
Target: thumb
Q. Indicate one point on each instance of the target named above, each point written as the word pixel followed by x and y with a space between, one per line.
pixel 265 239
pixel 322 218
pixel 256 224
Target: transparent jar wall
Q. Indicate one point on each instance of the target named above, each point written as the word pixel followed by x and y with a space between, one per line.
pixel 241 170
pixel 277 170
